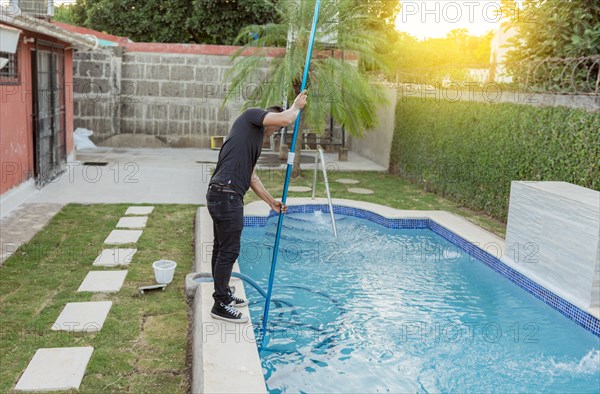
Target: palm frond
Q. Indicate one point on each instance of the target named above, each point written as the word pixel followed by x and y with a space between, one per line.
pixel 335 86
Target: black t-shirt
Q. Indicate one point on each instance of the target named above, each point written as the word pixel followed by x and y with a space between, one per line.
pixel 241 150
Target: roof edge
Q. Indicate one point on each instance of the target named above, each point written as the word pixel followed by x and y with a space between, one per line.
pixel 29 23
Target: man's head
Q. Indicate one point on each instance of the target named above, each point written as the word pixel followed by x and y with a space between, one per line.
pixel 269 130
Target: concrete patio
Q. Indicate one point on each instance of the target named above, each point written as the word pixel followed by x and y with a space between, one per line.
pixel 151 175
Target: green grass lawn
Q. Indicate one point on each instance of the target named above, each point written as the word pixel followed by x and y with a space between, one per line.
pixel 143 345
pixel 389 190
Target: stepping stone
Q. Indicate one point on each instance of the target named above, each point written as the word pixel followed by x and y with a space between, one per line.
pixel 123 236
pixel 103 281
pixel 347 181
pixel 133 222
pixel 358 190
pixel 300 189
pixel 139 210
pixel 53 369
pixel 114 257
pixel 82 316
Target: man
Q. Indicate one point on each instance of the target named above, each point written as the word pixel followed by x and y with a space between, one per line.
pixel 234 174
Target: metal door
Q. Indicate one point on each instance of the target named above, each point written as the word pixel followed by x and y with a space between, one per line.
pixel 48 73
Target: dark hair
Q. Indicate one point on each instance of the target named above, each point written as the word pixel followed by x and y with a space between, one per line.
pixel 275 108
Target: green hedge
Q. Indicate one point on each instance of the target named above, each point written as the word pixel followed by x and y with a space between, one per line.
pixel 471 151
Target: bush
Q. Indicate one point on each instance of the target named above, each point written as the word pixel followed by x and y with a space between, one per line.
pixel 470 152
pixel 177 21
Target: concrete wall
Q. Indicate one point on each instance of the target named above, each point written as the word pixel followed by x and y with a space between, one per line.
pixel 377 143
pixel 494 93
pixel 155 98
pixel 553 237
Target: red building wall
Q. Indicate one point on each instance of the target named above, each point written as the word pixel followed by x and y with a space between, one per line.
pixel 16 127
pixel 16 118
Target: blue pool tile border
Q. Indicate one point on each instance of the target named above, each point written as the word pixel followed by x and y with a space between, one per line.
pixel 261 221
pixel 572 312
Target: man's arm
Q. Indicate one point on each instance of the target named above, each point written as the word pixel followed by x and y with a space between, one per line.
pixel 286 118
pixel 260 190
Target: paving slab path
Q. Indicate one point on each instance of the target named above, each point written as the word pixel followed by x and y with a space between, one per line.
pixel 123 237
pixel 53 369
pixel 360 190
pixel 347 181
pixel 59 369
pixel 132 222
pixel 300 189
pixel 82 316
pixel 103 281
pixel 115 257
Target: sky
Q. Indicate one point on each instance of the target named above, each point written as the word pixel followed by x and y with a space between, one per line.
pixel 436 18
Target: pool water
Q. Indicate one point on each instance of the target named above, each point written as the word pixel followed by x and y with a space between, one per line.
pixel 388 310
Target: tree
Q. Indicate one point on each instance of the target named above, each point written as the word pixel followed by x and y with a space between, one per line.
pixel 144 21
pixel 62 13
pixel 382 20
pixel 177 21
pixel 335 86
pixel 219 21
pixel 74 13
pixel 433 59
pixel 554 29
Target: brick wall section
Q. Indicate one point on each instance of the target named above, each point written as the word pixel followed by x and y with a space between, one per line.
pixel 175 97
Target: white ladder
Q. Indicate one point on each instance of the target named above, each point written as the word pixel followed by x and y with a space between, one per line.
pixel 318 156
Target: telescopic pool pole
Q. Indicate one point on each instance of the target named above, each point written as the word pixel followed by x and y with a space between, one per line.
pixel 290 164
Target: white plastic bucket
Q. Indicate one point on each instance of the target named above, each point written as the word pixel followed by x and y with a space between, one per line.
pixel 164 270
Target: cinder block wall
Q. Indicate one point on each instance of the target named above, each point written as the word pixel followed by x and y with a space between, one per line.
pixel 94 98
pixel 141 99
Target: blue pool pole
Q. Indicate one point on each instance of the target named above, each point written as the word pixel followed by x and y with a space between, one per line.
pixel 290 164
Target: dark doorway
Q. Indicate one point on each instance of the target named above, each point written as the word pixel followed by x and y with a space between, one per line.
pixel 48 73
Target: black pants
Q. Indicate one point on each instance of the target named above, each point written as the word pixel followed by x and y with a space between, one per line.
pixel 227 212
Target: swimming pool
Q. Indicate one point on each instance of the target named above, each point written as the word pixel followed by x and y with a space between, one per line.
pixel 404 310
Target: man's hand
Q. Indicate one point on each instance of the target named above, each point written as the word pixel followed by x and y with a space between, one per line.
pixel 278 206
pixel 260 191
pixel 300 101
pixel 286 118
